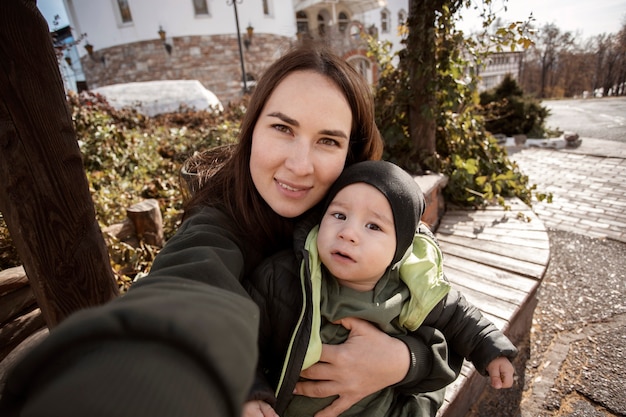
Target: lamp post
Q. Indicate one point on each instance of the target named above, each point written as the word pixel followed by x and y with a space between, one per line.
pixel 243 67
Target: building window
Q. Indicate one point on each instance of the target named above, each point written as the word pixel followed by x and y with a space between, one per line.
pixel 124 11
pixel 343 22
pixel 385 21
pixel 200 7
pixel 321 25
pixel 302 22
pixel 266 8
pixel 363 66
pixel 402 17
pixel 355 31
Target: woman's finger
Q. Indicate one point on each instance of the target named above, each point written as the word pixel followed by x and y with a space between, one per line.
pixel 320 371
pixel 316 389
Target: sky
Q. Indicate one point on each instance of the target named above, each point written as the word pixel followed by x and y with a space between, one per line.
pixel 588 17
pixel 50 8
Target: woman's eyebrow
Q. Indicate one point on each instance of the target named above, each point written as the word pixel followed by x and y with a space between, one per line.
pixel 334 133
pixel 293 122
pixel 284 118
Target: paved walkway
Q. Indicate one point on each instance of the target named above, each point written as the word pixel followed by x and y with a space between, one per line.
pixel 572 364
pixel 588 185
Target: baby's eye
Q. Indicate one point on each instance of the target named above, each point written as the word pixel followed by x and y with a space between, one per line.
pixel 339 216
pixel 373 226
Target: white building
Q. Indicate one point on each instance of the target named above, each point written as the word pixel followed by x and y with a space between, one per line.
pixel 146 40
pixel 498 65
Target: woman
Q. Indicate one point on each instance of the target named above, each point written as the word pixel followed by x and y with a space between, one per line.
pixel 188 330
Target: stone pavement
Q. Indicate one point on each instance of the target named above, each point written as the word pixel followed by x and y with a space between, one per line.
pixel 573 361
pixel 588 184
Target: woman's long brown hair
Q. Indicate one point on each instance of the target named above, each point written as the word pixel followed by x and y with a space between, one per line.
pixel 231 188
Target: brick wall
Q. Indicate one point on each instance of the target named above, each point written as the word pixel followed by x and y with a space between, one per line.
pixel 213 60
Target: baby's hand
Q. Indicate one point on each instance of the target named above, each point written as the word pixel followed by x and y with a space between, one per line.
pixel 258 408
pixel 501 372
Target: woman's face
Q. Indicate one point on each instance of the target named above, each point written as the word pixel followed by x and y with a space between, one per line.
pixel 300 142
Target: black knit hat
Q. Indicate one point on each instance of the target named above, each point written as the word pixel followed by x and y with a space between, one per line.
pixel 400 189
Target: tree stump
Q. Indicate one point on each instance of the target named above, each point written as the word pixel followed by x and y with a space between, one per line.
pixel 147 221
pixel 144 223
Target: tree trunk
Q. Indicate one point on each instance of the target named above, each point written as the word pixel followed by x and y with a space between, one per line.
pixel 44 194
pixel 421 61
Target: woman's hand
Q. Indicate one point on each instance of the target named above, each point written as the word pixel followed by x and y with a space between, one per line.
pixel 368 361
pixel 258 408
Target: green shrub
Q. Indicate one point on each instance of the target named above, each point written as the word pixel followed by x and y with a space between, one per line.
pixel 478 169
pixel 129 157
pixel 508 111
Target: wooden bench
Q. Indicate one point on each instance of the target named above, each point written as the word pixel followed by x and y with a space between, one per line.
pixel 497 259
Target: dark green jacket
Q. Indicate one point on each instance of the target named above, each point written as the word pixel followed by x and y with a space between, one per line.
pixel 285 291
pixel 181 342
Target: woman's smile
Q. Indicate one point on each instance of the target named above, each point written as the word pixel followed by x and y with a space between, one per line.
pixel 296 191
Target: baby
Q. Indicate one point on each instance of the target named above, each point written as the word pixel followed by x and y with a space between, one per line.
pixel 368 258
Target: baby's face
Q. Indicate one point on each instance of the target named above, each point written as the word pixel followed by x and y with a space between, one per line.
pixel 357 236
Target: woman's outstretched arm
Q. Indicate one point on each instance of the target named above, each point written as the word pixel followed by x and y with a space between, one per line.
pixel 138 356
pixel 182 341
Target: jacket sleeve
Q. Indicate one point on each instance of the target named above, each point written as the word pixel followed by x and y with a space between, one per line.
pixel 432 366
pixel 204 249
pixel 179 343
pixel 261 293
pixel 468 332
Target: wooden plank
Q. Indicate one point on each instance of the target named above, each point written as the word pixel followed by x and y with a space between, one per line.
pixel 459 403
pixel 528 254
pixel 497 211
pixel 16 331
pixel 494 218
pixel 488 289
pixel 488 304
pixel 506 263
pixel 497 261
pixel 12 279
pixel 477 221
pixel 497 276
pixel 529 238
pixel 14 302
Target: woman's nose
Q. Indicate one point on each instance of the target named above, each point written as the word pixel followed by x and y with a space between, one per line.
pixel 299 160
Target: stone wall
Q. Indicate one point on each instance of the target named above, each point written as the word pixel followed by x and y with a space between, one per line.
pixel 212 60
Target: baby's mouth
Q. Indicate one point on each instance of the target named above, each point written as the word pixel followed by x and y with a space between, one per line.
pixel 342 255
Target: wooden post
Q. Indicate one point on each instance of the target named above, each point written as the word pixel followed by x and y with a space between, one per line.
pixel 44 194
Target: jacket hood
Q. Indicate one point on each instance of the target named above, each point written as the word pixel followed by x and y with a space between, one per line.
pixel 401 190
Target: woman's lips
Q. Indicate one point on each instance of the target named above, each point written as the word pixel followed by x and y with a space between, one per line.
pixel 292 190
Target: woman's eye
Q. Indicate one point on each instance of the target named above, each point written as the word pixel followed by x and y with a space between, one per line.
pixel 328 141
pixel 281 128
